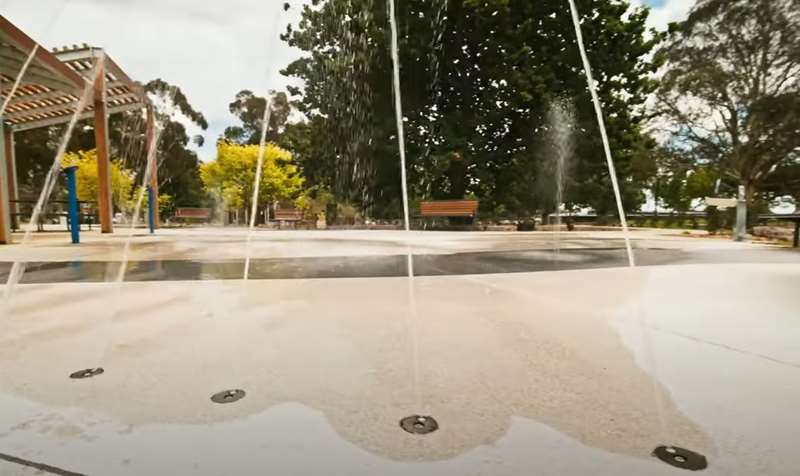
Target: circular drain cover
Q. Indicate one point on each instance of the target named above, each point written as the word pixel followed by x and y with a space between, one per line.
pixel 228 396
pixel 681 458
pixel 419 425
pixel 87 373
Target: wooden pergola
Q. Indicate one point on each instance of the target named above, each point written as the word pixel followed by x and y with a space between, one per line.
pixel 50 85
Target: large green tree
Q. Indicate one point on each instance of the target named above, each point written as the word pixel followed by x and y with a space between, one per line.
pixel 731 92
pixel 249 108
pixel 478 78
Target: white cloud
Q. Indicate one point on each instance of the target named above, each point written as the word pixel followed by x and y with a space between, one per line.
pixel 211 50
pixel 669 11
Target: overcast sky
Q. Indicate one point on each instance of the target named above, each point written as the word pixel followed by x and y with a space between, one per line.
pixel 210 49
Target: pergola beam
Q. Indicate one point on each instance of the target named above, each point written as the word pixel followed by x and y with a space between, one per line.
pixel 11 174
pixel 38 112
pixel 65 118
pixel 104 205
pixel 34 113
pixel 120 78
pixel 150 145
pixel 23 42
pixel 21 99
pixel 5 209
pixel 12 65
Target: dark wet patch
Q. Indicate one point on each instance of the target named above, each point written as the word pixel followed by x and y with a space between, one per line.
pixel 385 265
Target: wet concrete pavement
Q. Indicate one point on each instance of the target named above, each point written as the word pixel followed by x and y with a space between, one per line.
pixel 544 371
pixel 581 371
pixel 388 265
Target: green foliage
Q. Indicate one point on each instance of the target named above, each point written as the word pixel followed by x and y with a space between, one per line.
pixel 348 212
pixel 232 174
pixel 249 108
pixel 173 95
pixel 178 164
pixel 166 204
pixel 315 201
pixel 35 150
pixel 475 98
pixel 87 179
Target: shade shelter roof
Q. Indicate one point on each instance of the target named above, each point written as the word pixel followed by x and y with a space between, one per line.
pixel 53 82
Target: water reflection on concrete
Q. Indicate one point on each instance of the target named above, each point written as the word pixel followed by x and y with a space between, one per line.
pixel 377 266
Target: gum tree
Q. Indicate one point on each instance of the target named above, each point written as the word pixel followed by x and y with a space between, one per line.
pixel 731 89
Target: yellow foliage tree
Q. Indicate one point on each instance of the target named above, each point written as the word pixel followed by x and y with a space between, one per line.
pixel 232 174
pixel 87 183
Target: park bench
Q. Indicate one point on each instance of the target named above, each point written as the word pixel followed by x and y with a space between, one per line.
pixel 288 214
pixel 449 208
pixel 193 213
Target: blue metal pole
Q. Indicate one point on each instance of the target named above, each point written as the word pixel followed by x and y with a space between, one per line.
pixel 72 200
pixel 151 215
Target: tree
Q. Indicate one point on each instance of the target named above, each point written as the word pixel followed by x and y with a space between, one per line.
pixel 178 164
pixel 731 89
pixel 231 176
pixel 249 108
pixel 478 78
pixel 315 202
pixel 35 151
pixel 87 180
pixel 346 99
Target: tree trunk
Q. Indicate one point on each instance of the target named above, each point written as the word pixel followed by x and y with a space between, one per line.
pixel 752 210
pixel 655 197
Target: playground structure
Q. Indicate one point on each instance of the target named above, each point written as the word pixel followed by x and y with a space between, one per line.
pixel 39 88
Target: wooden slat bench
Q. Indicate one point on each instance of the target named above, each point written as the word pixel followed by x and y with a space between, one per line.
pixel 288 214
pixel 449 208
pixel 193 213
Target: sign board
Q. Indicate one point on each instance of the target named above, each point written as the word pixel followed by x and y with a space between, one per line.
pixel 721 203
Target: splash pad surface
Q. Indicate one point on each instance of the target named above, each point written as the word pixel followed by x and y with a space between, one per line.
pixel 518 367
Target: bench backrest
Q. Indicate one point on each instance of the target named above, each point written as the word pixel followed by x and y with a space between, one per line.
pixel 449 208
pixel 288 214
pixel 199 213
